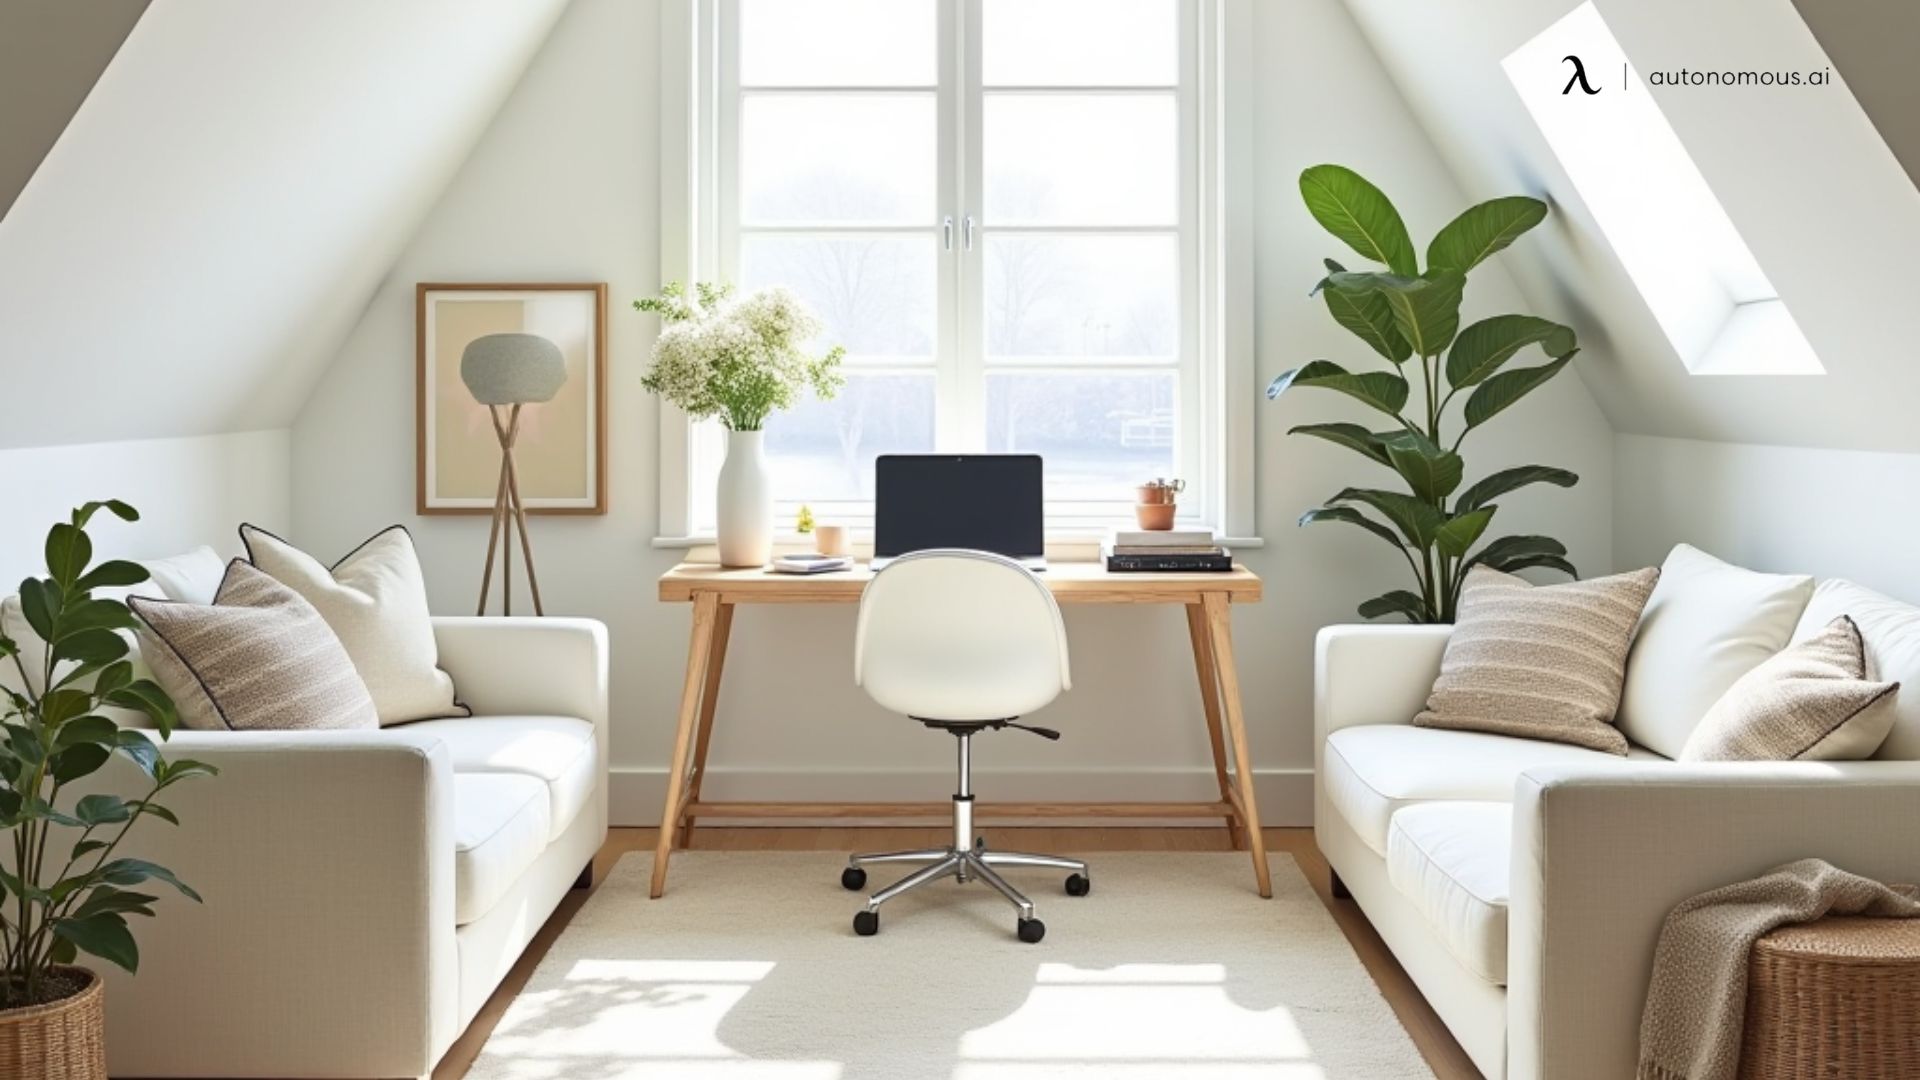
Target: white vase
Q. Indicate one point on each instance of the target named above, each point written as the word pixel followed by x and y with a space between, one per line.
pixel 744 502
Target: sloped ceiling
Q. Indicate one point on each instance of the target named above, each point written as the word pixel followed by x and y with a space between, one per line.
pixel 1871 43
pixel 203 235
pixel 1812 187
pixel 51 53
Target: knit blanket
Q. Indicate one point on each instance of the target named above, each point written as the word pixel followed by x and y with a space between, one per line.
pixel 1697 999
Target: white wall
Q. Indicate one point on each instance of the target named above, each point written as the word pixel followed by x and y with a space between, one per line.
pixel 188 491
pixel 1832 513
pixel 564 187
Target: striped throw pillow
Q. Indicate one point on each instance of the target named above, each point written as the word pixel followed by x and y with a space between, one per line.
pixel 1539 661
pixel 259 658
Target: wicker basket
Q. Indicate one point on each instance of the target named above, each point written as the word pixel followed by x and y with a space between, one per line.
pixel 65 1039
pixel 1835 998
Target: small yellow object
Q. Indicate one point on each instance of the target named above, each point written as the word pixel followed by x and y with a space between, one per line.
pixel 804 523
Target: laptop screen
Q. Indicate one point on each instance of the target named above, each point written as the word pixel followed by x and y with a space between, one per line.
pixel 985 502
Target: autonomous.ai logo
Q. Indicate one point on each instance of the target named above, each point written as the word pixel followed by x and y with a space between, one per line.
pixel 1579 76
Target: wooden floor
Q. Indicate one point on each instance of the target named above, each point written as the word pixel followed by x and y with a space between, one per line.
pixel 1448 1061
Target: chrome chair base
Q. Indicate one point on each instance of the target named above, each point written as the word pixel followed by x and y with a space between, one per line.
pixel 963 863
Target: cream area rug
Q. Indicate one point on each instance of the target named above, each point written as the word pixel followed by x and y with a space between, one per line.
pixel 748 969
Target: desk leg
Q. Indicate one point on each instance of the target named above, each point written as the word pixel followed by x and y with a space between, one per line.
pixel 709 700
pixel 1220 631
pixel 1210 703
pixel 706 607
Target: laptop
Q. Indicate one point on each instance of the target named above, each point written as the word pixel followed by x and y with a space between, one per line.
pixel 983 502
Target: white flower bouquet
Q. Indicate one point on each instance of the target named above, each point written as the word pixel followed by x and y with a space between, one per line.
pixel 736 360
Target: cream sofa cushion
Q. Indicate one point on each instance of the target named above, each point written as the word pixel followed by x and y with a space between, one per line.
pixel 259 658
pixel 1707 623
pixel 376 601
pixel 558 751
pixel 1891 631
pixel 1451 860
pixel 1373 770
pixel 192 577
pixel 1810 702
pixel 500 827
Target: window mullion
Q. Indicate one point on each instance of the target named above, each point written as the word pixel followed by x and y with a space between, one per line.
pixel 970 386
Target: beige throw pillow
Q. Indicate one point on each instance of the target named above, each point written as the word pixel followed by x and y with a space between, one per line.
pixel 1811 702
pixel 259 658
pixel 375 599
pixel 1539 661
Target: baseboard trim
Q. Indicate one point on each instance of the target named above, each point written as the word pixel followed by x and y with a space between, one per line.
pixel 1286 795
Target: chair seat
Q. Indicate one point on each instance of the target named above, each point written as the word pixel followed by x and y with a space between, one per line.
pixel 558 751
pixel 1452 861
pixel 500 826
pixel 1373 770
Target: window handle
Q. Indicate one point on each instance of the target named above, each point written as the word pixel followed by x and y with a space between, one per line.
pixel 968 232
pixel 946 233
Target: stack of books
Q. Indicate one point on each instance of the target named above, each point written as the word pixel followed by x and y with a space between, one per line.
pixel 1170 549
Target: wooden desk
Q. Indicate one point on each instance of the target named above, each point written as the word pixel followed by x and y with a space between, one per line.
pixel 715 592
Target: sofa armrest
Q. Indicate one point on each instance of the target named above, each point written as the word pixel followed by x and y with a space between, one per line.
pixel 527 664
pixel 1365 674
pixel 1602 853
pixel 326 935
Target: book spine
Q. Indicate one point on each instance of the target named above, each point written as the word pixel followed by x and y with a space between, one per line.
pixel 1137 563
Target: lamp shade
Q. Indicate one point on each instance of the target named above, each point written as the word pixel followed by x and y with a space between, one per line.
pixel 512 369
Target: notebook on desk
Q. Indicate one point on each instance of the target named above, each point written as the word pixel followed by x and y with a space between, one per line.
pixel 982 502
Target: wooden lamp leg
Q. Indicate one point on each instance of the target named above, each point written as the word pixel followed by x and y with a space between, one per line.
pixel 493 536
pixel 520 512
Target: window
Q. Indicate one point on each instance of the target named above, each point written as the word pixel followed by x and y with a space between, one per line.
pixel 1677 243
pixel 997 207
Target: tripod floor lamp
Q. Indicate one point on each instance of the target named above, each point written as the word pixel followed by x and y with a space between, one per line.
pixel 505 372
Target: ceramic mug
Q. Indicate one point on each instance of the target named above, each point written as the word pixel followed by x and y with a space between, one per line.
pixel 831 540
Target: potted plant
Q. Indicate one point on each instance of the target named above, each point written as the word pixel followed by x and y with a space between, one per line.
pixel 1157 501
pixel 66 887
pixel 738 361
pixel 1411 319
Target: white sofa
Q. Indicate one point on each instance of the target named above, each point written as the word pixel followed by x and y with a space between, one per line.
pixel 1522 884
pixel 366 891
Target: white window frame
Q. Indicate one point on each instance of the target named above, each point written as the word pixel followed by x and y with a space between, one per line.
pixel 699 104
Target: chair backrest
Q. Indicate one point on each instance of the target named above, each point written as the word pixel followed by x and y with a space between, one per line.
pixel 959 635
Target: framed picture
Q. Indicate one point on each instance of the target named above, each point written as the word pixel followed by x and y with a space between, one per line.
pixel 561 453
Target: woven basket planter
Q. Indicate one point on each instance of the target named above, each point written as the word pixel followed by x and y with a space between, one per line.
pixel 1835 999
pixel 66 1039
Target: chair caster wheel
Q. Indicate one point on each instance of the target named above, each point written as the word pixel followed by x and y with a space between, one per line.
pixel 1078 885
pixel 867 924
pixel 1031 930
pixel 853 879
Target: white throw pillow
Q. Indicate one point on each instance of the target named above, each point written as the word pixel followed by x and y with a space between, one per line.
pixel 375 600
pixel 1707 623
pixel 1891 632
pixel 192 578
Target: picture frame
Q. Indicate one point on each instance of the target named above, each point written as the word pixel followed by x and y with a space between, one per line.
pixel 561 453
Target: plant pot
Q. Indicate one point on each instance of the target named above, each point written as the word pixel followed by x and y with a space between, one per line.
pixel 744 502
pixel 65 1039
pixel 1157 517
pixel 1154 495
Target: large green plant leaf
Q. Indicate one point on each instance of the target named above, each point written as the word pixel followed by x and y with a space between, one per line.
pixel 1485 491
pixel 1492 397
pixel 77 761
pixel 1430 471
pixel 135 871
pixel 1356 212
pixel 114 572
pixel 1426 310
pixel 39 603
pixel 1397 602
pixel 1482 230
pixel 1499 552
pixel 1417 519
pixel 68 552
pixel 82 615
pixel 1382 390
pixel 1458 534
pixel 1551 562
pixel 1484 347
pixel 104 935
pixel 1351 436
pixel 1366 315
pixel 1352 517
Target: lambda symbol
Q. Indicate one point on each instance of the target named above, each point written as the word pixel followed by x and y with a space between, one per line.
pixel 1579 76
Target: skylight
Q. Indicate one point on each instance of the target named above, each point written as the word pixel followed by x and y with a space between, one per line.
pixel 1682 251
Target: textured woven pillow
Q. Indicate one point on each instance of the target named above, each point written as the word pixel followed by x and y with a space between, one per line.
pixel 258 658
pixel 1539 661
pixel 1811 702
pixel 375 599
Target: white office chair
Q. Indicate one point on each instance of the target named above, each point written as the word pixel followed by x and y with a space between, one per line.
pixel 962 641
